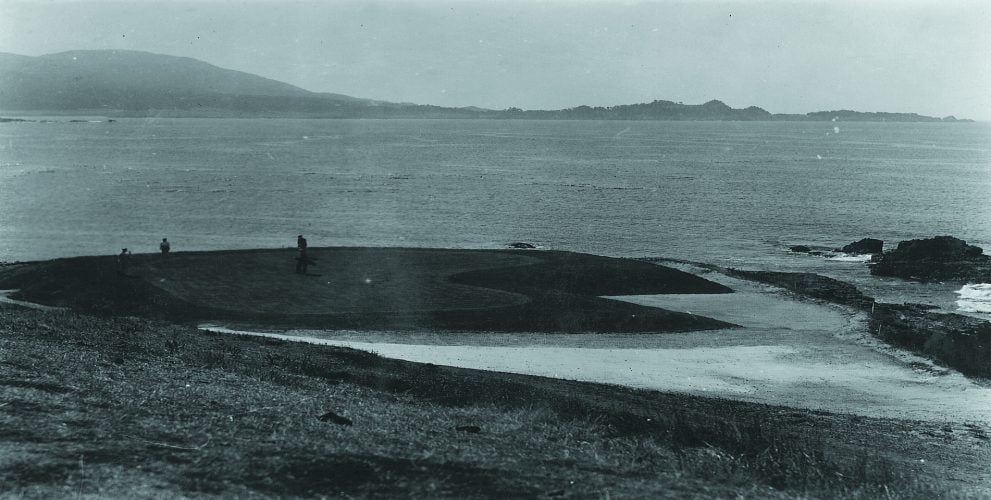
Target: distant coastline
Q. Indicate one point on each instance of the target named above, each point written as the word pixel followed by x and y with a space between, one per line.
pixel 426 112
pixel 140 84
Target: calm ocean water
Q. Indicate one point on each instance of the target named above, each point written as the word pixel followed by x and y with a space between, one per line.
pixel 730 193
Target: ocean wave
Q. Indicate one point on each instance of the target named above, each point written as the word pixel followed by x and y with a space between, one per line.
pixel 845 257
pixel 975 298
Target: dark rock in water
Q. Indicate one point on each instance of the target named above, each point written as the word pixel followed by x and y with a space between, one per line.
pixel 866 245
pixel 521 245
pixel 935 259
pixel 940 248
pixel 335 418
pixel 471 429
pixel 817 251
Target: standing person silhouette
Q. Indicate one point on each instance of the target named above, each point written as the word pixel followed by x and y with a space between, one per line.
pixel 165 247
pixel 301 260
pixel 122 259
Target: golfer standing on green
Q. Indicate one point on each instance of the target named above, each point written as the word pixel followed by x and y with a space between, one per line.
pixel 301 259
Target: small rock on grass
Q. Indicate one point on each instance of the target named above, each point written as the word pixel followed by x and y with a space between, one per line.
pixel 335 418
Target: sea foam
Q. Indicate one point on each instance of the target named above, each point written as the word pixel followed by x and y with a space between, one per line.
pixel 846 257
pixel 975 298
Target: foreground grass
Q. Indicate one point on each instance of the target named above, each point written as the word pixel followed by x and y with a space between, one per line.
pixel 123 407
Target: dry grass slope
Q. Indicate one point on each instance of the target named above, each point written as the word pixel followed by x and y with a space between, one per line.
pixel 125 407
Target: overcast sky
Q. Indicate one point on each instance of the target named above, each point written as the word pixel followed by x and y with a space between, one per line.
pixel 787 57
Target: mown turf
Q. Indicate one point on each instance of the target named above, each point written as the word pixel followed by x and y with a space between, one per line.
pixel 373 288
pixel 123 407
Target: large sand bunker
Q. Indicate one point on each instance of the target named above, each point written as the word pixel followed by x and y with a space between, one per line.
pixel 790 352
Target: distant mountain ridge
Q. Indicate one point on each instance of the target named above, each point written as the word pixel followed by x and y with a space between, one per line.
pixel 119 81
pixel 716 110
pixel 133 83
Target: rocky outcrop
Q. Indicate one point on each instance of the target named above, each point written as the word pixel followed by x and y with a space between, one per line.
pixel 811 285
pixel 864 246
pixel 961 342
pixel 816 251
pixel 935 259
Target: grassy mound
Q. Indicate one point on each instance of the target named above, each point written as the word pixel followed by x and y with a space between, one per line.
pixel 372 288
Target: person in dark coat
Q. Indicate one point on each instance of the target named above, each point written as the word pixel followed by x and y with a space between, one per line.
pixel 122 259
pixel 302 260
pixel 165 247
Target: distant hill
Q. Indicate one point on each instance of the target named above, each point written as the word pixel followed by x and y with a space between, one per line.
pixel 131 83
pixel 859 116
pixel 657 110
pixel 712 111
pixel 120 82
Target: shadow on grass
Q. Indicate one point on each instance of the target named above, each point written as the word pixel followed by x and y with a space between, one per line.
pixel 348 474
pixel 28 473
pixel 41 386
